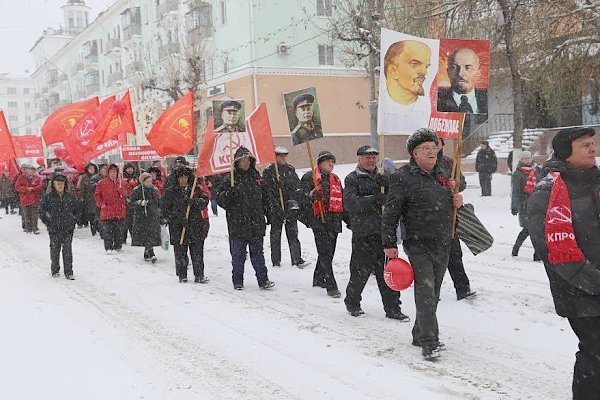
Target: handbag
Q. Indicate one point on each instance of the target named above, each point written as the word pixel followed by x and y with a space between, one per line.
pixel 165 238
pixel 471 231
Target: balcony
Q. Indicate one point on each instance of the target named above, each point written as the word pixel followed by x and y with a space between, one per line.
pixel 114 78
pixel 113 44
pixel 166 7
pixel 91 64
pixel 133 67
pixel 166 50
pixel 52 82
pixel 197 34
pixel 77 68
pixel 92 88
pixel 62 78
pixel 131 31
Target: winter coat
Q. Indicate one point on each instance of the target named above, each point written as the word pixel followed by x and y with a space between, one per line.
pixel 29 197
pixel 146 219
pixel 446 164
pixel 519 198
pixel 246 204
pixel 6 189
pixel 110 199
pixel 86 188
pixel 486 161
pixel 575 286
pixel 60 213
pixel 363 200
pixel 174 206
pixel 129 181
pixel 289 182
pixel 333 221
pixel 422 201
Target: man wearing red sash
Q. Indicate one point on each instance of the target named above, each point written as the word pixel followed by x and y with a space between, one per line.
pixel 564 223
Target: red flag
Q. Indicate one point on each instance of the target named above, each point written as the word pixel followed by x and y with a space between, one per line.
pixel 12 167
pixel 61 121
pixel 217 148
pixel 28 146
pixel 7 150
pixel 78 141
pixel 117 122
pixel 173 132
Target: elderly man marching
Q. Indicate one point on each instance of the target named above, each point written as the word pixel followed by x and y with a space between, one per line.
pixel 422 199
pixel 565 230
pixel 363 200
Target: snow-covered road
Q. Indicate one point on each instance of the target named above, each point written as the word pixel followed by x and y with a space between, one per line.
pixel 125 329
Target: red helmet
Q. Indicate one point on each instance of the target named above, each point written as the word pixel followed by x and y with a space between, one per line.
pixel 398 274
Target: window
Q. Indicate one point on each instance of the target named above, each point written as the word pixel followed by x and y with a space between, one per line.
pixel 28 131
pixel 26 90
pixel 324 8
pixel 12 104
pixel 325 55
pixel 27 104
pixel 13 119
pixel 28 118
pixel 11 90
pixel 226 65
pixel 223 12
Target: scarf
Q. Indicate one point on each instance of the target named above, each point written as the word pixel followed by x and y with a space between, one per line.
pixel 531 178
pixel 560 235
pixel 335 193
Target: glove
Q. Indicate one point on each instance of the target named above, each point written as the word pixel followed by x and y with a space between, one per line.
pixel 514 212
pixel 382 180
pixel 317 194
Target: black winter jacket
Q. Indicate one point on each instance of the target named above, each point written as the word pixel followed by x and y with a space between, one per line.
pixel 575 287
pixel 289 183
pixel 422 202
pixel 518 198
pixel 60 213
pixel 146 220
pixel 333 221
pixel 486 161
pixel 246 204
pixel 174 207
pixel 363 200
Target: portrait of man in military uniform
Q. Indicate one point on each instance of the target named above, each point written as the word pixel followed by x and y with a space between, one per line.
pixel 305 125
pixel 229 116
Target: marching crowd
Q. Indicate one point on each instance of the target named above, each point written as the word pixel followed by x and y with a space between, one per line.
pixel 557 204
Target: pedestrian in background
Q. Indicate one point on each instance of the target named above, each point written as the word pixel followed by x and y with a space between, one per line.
pixel 486 164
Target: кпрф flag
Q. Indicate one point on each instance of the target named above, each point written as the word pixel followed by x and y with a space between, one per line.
pixel 60 122
pixel 173 132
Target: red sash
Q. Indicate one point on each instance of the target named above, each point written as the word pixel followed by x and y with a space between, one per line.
pixel 336 204
pixel 560 235
pixel 531 178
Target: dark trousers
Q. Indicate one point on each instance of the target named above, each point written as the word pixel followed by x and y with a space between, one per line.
pixel 30 218
pixel 367 256
pixel 429 261
pixel 457 269
pixel 586 374
pixel 291 232
pixel 112 233
pixel 325 242
pixel 520 239
pixel 196 250
pixel 485 181
pixel 237 248
pixel 94 222
pixel 128 224
pixel 214 207
pixel 61 241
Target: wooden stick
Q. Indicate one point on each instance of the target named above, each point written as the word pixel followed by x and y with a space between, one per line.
pixel 143 193
pixel 314 179
pixel 187 213
pixel 279 188
pixel 456 177
pixel 231 177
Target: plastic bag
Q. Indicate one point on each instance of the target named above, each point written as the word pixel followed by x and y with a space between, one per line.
pixel 165 238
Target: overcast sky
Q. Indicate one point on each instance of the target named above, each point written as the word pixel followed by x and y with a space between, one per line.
pixel 22 23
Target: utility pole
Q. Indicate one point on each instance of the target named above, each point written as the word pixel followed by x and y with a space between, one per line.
pixel 369 14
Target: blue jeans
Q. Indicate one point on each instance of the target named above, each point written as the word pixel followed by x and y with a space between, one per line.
pixel 237 248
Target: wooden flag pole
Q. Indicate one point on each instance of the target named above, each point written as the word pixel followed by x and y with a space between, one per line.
pixel 231 161
pixel 279 188
pixel 456 177
pixel 143 193
pixel 187 212
pixel 314 179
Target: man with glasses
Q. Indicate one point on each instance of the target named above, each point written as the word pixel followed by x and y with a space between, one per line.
pixel 422 199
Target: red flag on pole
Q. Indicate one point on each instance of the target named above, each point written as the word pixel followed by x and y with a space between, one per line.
pixel 78 142
pixel 28 146
pixel 215 154
pixel 173 132
pixel 11 167
pixel 7 150
pixel 117 122
pixel 61 121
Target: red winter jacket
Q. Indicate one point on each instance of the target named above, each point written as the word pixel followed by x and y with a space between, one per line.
pixel 110 198
pixel 29 197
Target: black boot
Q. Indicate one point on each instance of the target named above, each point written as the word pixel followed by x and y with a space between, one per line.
pixel 520 239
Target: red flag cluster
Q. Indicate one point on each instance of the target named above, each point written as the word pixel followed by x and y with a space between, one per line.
pixel 173 132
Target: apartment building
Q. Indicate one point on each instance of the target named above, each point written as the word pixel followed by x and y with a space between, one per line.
pixel 18 103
